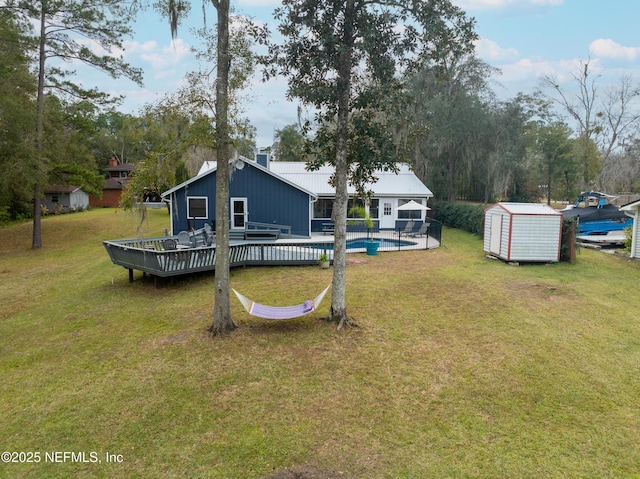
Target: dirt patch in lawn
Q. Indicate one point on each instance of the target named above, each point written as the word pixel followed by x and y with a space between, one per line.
pixel 306 472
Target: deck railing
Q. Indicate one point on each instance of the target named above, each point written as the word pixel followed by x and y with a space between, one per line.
pixel 149 256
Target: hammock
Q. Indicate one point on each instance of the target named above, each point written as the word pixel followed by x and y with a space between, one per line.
pixel 280 312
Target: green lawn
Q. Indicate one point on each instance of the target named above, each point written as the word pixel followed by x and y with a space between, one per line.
pixel 461 367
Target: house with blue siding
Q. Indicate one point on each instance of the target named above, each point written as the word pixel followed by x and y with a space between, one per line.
pixel 256 195
pixel 286 194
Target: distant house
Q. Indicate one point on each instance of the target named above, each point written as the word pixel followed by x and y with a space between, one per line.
pixel 119 174
pixel 632 209
pixel 65 198
pixel 284 193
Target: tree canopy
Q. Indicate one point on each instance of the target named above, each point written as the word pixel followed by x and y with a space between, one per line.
pixel 347 59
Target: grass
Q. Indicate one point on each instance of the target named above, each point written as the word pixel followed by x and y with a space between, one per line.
pixel 461 367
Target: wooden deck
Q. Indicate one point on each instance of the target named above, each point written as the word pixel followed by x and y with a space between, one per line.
pixel 149 256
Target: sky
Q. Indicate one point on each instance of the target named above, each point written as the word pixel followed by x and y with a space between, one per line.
pixel 525 39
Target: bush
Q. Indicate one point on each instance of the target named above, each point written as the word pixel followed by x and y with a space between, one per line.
pixel 465 216
pixel 628 238
pixel 5 216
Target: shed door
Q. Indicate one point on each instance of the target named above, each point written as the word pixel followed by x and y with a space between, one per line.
pixel 496 234
pixel 238 213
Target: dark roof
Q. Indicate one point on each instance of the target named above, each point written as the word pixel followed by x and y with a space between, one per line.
pixel 122 167
pixel 115 183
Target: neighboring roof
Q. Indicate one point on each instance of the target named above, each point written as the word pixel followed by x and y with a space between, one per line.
pixel 404 183
pixel 61 189
pixel 213 166
pixel 528 209
pixel 122 167
pixel 115 183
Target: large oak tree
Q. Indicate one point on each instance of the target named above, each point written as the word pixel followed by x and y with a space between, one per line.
pixel 345 58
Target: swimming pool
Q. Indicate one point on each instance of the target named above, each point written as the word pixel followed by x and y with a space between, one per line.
pixel 361 243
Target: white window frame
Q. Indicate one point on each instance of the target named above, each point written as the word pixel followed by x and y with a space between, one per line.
pixel 206 207
pixel 245 203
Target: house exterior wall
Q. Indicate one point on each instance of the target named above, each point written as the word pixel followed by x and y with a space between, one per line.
pixel 269 200
pixel 75 200
pixel 523 237
pixel 110 199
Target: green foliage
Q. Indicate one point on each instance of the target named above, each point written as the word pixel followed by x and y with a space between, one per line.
pixel 465 216
pixel 288 144
pixel 17 117
pixel 628 239
pixel 342 57
pixel 5 217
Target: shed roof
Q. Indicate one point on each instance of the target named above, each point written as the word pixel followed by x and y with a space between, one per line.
pixel 528 209
pixel 404 183
pixel 61 189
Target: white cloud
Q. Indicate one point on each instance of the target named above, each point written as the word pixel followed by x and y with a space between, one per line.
pixel 491 51
pixel 607 48
pixel 168 56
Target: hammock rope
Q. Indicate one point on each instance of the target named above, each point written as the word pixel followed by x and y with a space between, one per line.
pixel 280 312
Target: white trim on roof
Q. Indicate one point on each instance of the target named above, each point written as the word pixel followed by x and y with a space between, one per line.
pixel 214 167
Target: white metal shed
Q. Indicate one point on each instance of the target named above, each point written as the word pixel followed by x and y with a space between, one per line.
pixel 523 232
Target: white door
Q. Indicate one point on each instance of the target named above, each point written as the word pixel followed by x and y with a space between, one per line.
pixel 385 213
pixel 496 234
pixel 239 213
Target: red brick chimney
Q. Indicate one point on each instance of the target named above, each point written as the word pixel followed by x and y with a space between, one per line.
pixel 113 162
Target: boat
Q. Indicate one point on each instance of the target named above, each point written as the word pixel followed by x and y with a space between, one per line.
pixel 599 220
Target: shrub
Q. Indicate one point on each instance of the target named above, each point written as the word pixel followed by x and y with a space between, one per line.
pixel 628 238
pixel 465 216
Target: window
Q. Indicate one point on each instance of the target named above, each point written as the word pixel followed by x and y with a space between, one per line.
pixel 54 198
pixel 387 209
pixel 197 207
pixel 409 214
pixel 374 208
pixel 323 208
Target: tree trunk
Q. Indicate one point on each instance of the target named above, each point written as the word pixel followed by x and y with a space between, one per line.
pixel 36 241
pixel 222 321
pixel 339 287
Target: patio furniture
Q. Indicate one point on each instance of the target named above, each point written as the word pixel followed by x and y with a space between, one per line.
pixel 184 239
pixel 422 231
pixel 408 228
pixel 169 244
